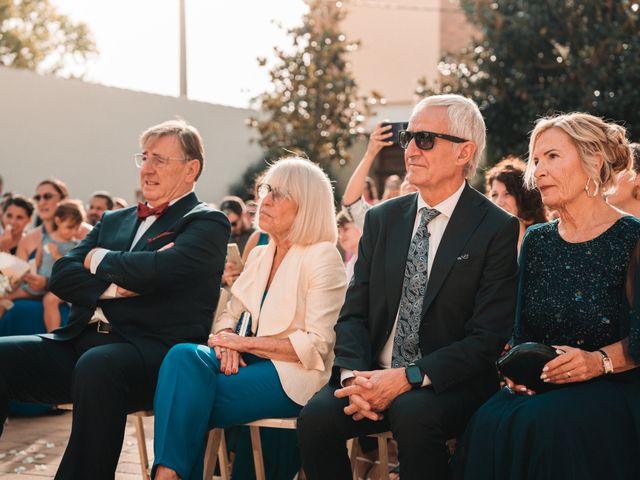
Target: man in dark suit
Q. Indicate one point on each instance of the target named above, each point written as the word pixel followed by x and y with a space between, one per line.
pixel 143 280
pixel 429 308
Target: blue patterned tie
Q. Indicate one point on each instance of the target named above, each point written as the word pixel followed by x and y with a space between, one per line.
pixel 406 345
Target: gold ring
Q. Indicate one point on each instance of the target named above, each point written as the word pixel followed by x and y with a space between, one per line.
pixel 222 350
pixel 568 374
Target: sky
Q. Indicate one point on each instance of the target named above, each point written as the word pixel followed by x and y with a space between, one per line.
pixel 138 45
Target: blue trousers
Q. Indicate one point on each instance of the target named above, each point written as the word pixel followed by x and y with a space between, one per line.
pixel 193 396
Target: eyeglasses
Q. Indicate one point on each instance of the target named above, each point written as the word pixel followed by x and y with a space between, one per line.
pixel 45 196
pixel 424 140
pixel 157 161
pixel 264 189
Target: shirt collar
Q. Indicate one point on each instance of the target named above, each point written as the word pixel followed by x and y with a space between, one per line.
pixel 447 206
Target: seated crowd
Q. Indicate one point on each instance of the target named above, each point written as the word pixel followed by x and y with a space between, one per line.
pixel 386 316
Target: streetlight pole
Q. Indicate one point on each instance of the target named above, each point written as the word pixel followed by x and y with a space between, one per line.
pixel 183 51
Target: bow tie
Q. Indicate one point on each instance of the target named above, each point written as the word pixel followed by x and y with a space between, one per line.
pixel 145 211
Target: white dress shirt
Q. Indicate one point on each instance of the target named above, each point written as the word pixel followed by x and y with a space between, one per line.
pixel 436 228
pixel 99 254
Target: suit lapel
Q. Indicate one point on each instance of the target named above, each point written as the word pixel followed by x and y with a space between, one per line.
pixel 400 228
pixel 126 230
pixel 173 214
pixel 465 218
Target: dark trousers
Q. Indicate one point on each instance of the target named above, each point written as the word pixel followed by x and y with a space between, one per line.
pixel 420 420
pixel 102 374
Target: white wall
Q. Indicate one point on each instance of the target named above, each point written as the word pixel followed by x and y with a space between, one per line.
pixel 86 135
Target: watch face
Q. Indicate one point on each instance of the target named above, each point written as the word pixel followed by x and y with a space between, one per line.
pixel 414 375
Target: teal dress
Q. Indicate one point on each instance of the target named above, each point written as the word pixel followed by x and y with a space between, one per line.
pixel 569 294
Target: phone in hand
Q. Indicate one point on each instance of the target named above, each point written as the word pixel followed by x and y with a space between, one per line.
pixel 395 128
pixel 233 255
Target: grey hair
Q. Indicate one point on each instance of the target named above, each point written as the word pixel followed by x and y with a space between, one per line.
pixel 465 121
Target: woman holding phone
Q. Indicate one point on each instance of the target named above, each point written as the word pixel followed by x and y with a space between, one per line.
pixel 293 288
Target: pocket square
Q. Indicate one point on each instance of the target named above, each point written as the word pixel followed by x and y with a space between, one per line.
pixel 163 234
pixel 464 256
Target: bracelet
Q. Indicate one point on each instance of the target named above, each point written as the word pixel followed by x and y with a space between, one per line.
pixel 607 364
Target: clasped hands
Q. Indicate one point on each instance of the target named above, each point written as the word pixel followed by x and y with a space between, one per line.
pixel 570 366
pixel 228 346
pixel 120 291
pixel 370 393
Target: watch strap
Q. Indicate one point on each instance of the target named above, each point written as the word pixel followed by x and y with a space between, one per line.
pixel 607 364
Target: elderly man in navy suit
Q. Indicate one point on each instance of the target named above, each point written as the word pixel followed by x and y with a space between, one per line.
pixel 429 308
pixel 143 280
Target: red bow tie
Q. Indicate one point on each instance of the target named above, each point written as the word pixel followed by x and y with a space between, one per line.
pixel 145 211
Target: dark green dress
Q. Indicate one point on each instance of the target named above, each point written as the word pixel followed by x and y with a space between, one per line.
pixel 569 294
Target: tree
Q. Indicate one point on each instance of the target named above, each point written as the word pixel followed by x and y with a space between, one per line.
pixel 34 36
pixel 313 108
pixel 544 57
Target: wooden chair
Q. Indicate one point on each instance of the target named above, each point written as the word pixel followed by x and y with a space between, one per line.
pixel 383 453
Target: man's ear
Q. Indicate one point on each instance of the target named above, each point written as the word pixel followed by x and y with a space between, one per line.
pixel 465 153
pixel 193 168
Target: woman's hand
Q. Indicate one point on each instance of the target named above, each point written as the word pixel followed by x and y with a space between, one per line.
pixel 572 365
pixel 36 282
pixel 227 350
pixel 231 273
pixel 516 388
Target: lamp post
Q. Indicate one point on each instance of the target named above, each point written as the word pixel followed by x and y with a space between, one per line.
pixel 183 51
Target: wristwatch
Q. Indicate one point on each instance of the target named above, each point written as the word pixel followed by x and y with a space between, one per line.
pixel 606 362
pixel 414 375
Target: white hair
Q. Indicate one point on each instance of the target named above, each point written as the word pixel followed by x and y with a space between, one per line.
pixel 465 121
pixel 310 188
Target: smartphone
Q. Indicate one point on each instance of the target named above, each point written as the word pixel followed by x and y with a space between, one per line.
pixel 233 255
pixel 395 128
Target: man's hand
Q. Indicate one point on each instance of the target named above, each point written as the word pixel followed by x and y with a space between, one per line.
pixel 88 257
pixel 379 387
pixel 358 407
pixel 231 273
pixel 123 292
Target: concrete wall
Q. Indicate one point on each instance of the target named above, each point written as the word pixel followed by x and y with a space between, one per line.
pixel 87 134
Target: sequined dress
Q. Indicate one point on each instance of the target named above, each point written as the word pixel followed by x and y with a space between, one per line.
pixel 569 294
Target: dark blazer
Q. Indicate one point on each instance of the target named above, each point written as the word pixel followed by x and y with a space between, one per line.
pixel 179 287
pixel 470 299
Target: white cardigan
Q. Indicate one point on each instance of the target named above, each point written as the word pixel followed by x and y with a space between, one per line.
pixel 303 302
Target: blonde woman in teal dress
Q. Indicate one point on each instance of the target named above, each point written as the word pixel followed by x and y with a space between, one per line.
pixel 576 283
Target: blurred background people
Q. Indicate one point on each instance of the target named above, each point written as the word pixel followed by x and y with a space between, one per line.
pixel 235 210
pixel 99 203
pixel 348 237
pixel 119 202
pixel 16 216
pixel 627 196
pixel 505 187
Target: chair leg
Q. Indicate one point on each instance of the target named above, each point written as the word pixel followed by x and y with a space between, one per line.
pixel 210 454
pixel 257 452
pixel 353 448
pixel 142 448
pixel 383 452
pixel 223 458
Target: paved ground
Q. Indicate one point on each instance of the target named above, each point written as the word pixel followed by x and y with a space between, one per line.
pixel 31 448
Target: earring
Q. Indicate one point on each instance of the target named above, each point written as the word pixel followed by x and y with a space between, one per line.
pixel 595 191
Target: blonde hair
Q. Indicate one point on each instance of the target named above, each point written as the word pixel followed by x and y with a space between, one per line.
pixel 592 136
pixel 309 187
pixel 465 121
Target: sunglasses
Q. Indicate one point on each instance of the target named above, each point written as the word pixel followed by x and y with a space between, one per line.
pixel 45 196
pixel 424 140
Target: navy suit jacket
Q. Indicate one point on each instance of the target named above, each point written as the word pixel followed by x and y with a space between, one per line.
pixel 468 310
pixel 179 287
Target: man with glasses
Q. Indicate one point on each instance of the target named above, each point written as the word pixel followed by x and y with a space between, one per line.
pixel 143 280
pixel 429 308
pixel 236 211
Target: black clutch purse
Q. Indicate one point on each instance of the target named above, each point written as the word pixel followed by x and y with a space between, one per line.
pixel 523 364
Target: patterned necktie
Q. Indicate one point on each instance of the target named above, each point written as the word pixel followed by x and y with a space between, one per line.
pixel 406 345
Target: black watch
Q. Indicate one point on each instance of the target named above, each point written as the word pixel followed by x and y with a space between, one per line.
pixel 414 375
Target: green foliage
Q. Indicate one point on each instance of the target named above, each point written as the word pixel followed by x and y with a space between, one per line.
pixel 313 108
pixel 538 58
pixel 34 36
